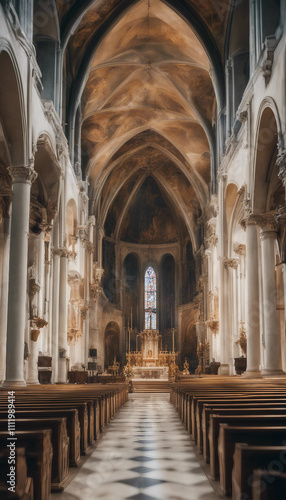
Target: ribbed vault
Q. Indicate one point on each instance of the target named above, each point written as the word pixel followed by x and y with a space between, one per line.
pixel 148 102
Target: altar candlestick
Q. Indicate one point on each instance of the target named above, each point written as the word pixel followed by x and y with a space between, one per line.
pixel 173 339
pixel 136 343
pixel 131 319
pixel 171 318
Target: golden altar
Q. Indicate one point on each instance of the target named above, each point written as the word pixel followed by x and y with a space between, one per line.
pixel 150 361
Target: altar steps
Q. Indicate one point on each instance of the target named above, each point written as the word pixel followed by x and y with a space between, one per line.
pixel 151 385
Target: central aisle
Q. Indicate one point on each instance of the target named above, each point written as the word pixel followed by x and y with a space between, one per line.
pixel 145 454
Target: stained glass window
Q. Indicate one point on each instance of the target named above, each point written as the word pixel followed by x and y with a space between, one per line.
pixel 150 299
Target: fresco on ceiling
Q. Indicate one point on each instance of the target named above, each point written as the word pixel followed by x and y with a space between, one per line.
pixel 118 204
pixel 178 182
pixel 149 219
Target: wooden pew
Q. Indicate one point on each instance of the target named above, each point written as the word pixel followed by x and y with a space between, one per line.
pixel 216 399
pixel 237 420
pixel 241 409
pixel 50 405
pixel 72 424
pixel 230 435
pixel 60 442
pixel 24 485
pixel 206 406
pixel 268 485
pixel 39 453
pixel 248 458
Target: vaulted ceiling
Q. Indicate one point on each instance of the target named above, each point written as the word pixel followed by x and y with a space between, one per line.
pixel 145 75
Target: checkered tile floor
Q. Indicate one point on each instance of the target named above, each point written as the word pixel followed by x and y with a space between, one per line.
pixel 146 454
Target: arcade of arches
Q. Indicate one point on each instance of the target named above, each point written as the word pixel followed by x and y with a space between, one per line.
pixel 134 136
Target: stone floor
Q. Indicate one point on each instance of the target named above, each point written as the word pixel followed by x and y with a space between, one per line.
pixel 145 454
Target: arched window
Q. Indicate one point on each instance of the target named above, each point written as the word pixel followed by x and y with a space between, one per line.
pixel 150 299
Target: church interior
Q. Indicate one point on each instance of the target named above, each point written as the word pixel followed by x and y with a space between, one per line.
pixel 143 249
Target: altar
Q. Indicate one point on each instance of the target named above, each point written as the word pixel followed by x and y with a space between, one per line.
pixel 150 362
pixel 145 372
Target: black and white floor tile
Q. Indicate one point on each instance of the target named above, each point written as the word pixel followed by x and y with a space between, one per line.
pixel 145 454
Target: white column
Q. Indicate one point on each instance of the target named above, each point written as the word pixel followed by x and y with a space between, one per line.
pixel 4 293
pixel 22 178
pixel 252 303
pixel 63 316
pixel 268 235
pixel 224 333
pixel 54 317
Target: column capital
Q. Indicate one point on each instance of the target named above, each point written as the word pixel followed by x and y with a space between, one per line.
pixel 268 226
pixel 61 251
pixel 23 174
pixel 240 249
pixel 230 262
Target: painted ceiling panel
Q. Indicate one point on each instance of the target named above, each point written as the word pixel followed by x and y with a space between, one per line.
pixel 148 103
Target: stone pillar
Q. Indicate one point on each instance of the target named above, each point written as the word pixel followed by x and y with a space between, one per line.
pixel 252 302
pixel 224 333
pixel 22 178
pixel 5 243
pixel 268 235
pixel 54 316
pixel 63 316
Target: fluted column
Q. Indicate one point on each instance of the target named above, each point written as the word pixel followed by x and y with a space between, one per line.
pixel 268 235
pixel 252 303
pixel 22 178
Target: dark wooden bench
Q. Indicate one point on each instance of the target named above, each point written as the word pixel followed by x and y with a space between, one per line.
pixel 24 489
pixel 248 458
pixel 51 405
pixel 72 423
pixel 60 442
pixel 39 453
pixel 237 420
pixel 242 409
pixel 230 435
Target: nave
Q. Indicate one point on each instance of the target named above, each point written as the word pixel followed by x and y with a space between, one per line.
pixel 145 454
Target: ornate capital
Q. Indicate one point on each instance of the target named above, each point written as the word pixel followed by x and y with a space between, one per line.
pixel 61 251
pixel 23 174
pixel 240 249
pixel 233 263
pixel 268 226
